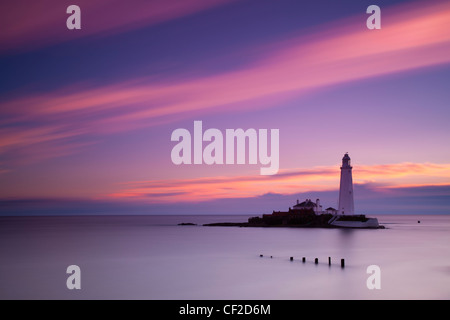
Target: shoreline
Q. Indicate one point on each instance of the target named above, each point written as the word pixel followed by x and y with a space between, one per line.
pixel 249 225
pixel 304 219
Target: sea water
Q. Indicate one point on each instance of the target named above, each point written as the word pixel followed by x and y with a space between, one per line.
pixel 152 257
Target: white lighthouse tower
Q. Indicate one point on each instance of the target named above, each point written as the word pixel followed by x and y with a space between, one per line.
pixel 346 205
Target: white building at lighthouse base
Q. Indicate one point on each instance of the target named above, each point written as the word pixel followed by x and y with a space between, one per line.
pixel 356 222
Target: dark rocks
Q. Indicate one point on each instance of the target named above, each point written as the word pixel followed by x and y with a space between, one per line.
pixel 227 224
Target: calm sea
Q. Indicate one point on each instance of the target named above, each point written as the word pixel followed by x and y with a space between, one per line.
pixel 151 257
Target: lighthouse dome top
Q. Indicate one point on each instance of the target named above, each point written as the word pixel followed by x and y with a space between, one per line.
pixel 346 161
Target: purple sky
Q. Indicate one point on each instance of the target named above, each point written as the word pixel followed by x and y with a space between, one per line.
pixel 87 115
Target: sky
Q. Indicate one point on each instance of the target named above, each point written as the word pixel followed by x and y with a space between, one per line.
pixel 87 115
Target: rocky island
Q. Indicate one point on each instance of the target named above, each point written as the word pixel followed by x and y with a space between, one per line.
pixel 300 219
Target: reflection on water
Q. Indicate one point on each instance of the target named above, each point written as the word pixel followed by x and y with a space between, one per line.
pixel 346 236
pixel 151 257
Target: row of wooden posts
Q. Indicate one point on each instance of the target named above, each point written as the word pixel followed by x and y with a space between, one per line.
pixel 316 260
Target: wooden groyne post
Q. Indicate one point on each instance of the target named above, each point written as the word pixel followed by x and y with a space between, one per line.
pixel 316 260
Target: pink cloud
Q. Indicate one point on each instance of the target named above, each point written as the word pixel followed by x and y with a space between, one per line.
pixel 291 181
pixel 28 24
pixel 414 38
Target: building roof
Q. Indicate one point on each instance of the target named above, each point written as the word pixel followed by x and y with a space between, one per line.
pixel 331 208
pixel 306 204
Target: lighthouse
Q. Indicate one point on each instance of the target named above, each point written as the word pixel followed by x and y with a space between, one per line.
pixel 346 205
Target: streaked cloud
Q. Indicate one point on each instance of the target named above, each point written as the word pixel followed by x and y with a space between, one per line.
pixel 29 24
pixel 383 177
pixel 414 38
pixel 425 200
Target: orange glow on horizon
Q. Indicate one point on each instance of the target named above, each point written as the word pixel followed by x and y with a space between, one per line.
pixel 286 182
